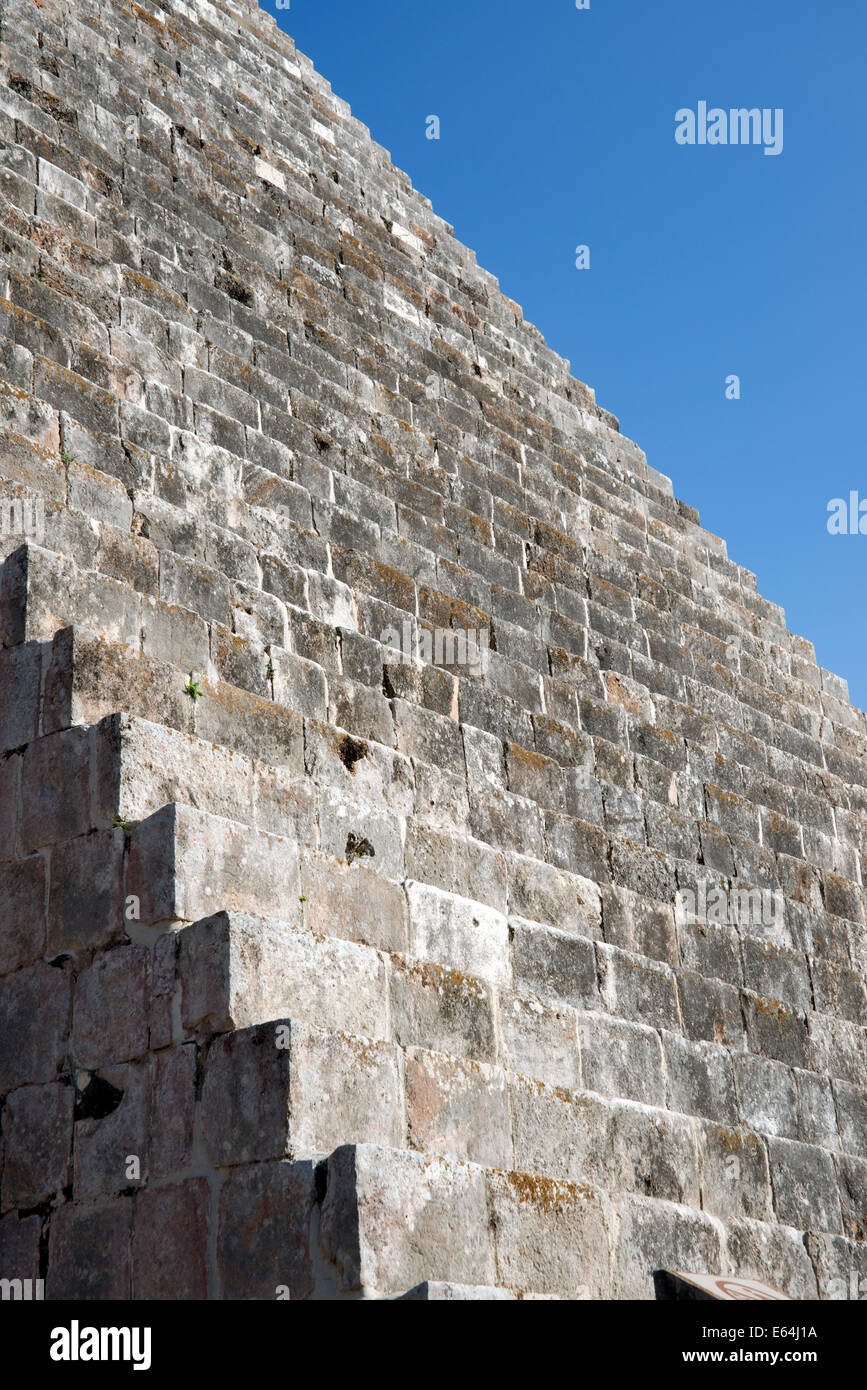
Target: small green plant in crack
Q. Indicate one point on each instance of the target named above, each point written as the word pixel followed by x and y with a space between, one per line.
pixel 269 671
pixel 193 689
pixel 302 899
pixel 121 823
pixel 66 456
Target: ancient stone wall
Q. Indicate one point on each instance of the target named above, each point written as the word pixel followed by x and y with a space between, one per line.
pixel 428 864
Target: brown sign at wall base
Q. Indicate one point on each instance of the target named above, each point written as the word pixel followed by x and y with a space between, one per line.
pixel 676 1285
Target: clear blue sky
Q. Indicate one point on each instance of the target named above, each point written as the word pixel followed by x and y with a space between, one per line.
pixel 557 129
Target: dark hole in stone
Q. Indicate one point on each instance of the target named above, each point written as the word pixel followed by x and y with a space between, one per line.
pixel 321 443
pixel 357 847
pixel 98 1099
pixel 351 751
pixel 237 290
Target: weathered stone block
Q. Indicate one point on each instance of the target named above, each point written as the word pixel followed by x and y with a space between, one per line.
pixel 655 1235
pixel 55 789
pixel 539 1041
pixel 89 1250
pixel 20 676
pixel 263 1235
pixel 112 1130
pixel 434 1006
pixel 805 1187
pixel 555 965
pixel 183 864
pixel 767 1095
pixel 459 934
pixel 35 1010
pixel 550 1236
pixel 653 1153
pixel 170 1242
pixel 558 1132
pixel 375 1198
pixel 700 1079
pixel 622 1059
pixel 235 971
pixel 172 1111
pixel 458 1108
pixel 353 901
pixel 37 1130
pixel 19 1247
pixel 735 1178
pixel 110 1008
pixel 541 893
pixel 22 912
pixel 636 988
pixel 283 1089
pixel 772 1253
pixel 85 903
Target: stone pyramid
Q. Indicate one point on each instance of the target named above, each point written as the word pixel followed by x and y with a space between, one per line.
pixel 429 868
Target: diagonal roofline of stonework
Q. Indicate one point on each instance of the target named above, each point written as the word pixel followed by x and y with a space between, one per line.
pixel 266 27
pixel 275 60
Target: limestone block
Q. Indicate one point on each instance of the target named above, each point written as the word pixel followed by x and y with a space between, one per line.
pixel 851 1107
pixel 541 893
pixel 19 1247
pixel 735 1177
pixel 458 1108
pixel 184 863
pixel 35 1009
pixel 263 1233
pixel 767 1095
pixel 22 912
pixel 434 1006
pixel 85 902
pixel 37 1129
pixel 805 1187
pixel 655 1235
pixel 550 1236
pixel 350 829
pixel 391 1217
pixel 141 766
pixel 110 1008
pixel 557 966
pixel 622 1059
pixel 89 1254
pixel 775 1254
pixel 352 901
pixel 172 1111
pixel 42 592
pixel 558 1132
pixel 635 988
pixel 170 1242
pixel 457 933
pixel 284 1089
pixel 55 789
pixel 653 1153
pixel 20 676
pixel 539 1041
pixel 235 971
pixel 457 865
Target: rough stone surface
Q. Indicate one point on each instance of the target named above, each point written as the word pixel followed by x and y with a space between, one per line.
pixel 429 869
